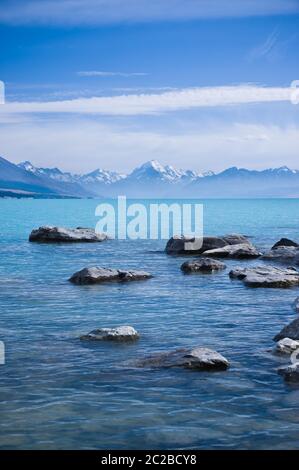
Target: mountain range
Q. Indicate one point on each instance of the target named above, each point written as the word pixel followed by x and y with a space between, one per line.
pixel 152 179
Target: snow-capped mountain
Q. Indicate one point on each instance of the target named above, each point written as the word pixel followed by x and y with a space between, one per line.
pixel 153 170
pixel 53 173
pixel 152 179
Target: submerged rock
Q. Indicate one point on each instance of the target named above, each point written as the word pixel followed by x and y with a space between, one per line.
pixel 243 250
pixel 285 242
pixel 296 305
pixel 97 275
pixel 290 373
pixel 290 331
pixel 183 245
pixel 120 333
pixel 198 358
pixel 49 234
pixel 205 265
pixel 266 276
pixel 286 346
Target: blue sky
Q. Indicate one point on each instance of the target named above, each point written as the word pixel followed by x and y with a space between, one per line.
pixel 168 82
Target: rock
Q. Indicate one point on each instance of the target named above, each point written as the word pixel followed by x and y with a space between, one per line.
pixel 97 275
pixel 198 358
pixel 205 265
pixel 290 373
pixel 288 254
pixel 286 346
pixel 182 245
pixel 241 251
pixel 266 276
pixel 290 331
pixel 49 234
pixel 296 305
pixel 285 242
pixel 120 333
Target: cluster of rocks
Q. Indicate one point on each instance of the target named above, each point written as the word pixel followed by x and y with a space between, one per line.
pixel 288 345
pixel 199 358
pixel 207 250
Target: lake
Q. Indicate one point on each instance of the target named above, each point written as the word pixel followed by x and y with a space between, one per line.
pixel 60 393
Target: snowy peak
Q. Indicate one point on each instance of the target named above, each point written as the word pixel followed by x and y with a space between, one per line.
pixel 53 173
pixel 154 170
pixel 101 176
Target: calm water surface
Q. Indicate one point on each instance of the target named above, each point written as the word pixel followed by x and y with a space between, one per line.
pixel 57 392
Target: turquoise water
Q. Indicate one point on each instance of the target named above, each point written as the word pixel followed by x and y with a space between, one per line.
pixel 57 392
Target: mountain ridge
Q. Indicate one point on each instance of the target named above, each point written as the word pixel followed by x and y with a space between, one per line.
pixel 151 179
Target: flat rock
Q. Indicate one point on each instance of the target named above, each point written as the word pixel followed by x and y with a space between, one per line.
pixel 241 251
pixel 50 234
pixel 120 333
pixel 198 358
pixel 288 254
pixel 285 242
pixel 296 305
pixel 204 265
pixel 290 373
pixel 95 275
pixel 266 276
pixel 290 331
pixel 286 346
pixel 178 245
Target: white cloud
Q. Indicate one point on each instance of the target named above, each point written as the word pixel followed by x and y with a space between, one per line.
pixel 145 104
pixel 114 11
pixel 99 73
pixel 82 145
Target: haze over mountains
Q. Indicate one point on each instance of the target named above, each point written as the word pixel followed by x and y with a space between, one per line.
pixel 151 179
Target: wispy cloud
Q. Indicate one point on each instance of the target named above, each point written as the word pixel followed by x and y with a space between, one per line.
pixel 100 73
pixel 264 49
pixel 156 103
pixel 116 11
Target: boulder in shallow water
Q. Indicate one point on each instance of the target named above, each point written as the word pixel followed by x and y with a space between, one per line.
pixel 96 275
pixel 120 334
pixel 198 358
pixel 285 242
pixel 296 305
pixel 284 254
pixel 203 265
pixel 286 346
pixel 179 245
pixel 290 331
pixel 266 276
pixel 290 373
pixel 50 234
pixel 241 251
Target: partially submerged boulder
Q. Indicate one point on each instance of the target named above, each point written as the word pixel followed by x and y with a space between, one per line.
pixel 285 242
pixel 179 245
pixel 285 254
pixel 290 331
pixel 290 373
pixel 198 358
pixel 203 265
pixel 241 251
pixel 286 346
pixel 296 305
pixel 120 334
pixel 266 276
pixel 96 275
pixel 51 234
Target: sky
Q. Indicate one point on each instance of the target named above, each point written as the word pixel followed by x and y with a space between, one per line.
pixel 195 84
